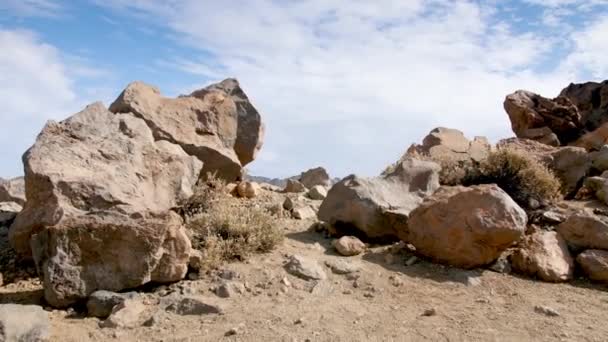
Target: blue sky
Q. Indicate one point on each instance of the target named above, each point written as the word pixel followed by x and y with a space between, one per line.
pixel 344 84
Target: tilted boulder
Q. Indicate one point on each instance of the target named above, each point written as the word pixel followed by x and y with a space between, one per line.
pixel 451 144
pixel 585 231
pixel 594 263
pixel 216 124
pixel 313 177
pixel 100 190
pixel 465 227
pixel 578 116
pixel 376 207
pixel 12 190
pixel 544 254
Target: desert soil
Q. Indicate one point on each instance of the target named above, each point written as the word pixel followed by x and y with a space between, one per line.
pixel 385 301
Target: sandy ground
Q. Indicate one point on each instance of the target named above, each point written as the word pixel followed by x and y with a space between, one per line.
pixel 385 301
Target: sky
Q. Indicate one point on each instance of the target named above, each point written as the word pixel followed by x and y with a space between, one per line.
pixel 347 85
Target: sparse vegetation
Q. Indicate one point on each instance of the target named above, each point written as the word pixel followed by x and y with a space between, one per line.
pixel 225 228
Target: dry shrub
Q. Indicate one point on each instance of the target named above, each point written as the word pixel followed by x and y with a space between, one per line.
pixel 225 228
pixel 523 177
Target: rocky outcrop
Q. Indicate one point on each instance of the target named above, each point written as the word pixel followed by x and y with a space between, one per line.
pixel 450 144
pixel 578 116
pixel 313 177
pixel 376 207
pixel 294 186
pixel 12 190
pixel 595 264
pixel 465 227
pixel 216 124
pixel 585 231
pixel 100 190
pixel 544 254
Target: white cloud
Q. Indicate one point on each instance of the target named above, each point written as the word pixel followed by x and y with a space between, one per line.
pixel 34 86
pixel 589 49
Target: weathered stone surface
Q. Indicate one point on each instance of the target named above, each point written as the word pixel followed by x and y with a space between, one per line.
pixel 313 177
pixel 376 207
pixel 317 192
pixel 187 306
pixel 294 186
pixel 585 231
pixel 303 212
pixel 450 144
pixel 101 303
pixel 100 190
pixel 8 212
pixel 465 227
pixel 12 190
pixel 131 313
pixel 305 268
pixel 544 254
pixel 339 266
pixel 248 189
pixel 594 263
pixel 216 124
pixel 578 116
pixel 349 246
pixel 23 323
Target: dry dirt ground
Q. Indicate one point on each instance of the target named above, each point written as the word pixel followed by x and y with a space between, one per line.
pixel 385 301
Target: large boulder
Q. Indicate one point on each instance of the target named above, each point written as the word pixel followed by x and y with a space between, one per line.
pixel 100 191
pixel 450 144
pixel 465 227
pixel 544 254
pixel 585 231
pixel 376 207
pixel 23 323
pixel 216 124
pixel 12 190
pixel 313 177
pixel 578 116
pixel 594 263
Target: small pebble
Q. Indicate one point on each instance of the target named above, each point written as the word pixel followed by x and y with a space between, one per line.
pixel 545 310
pixel 429 312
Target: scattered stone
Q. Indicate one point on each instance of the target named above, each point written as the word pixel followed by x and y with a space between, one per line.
pixel 502 264
pixel 378 207
pixel 289 203
pixel 396 281
pixel 595 264
pixel 314 177
pixel 248 189
pixel 317 192
pixel 229 289
pixel 349 246
pixel 544 254
pixel 196 259
pixel 101 303
pixel 303 212
pixel 186 306
pixel 465 227
pixel 294 186
pixel 553 217
pixel 305 268
pixel 228 274
pixel 585 231
pixel 322 288
pixel 130 313
pixel 429 312
pixel 298 321
pixel 286 282
pixel 342 267
pixel 23 323
pixel 545 310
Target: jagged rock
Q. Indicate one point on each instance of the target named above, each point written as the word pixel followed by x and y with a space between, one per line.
pixel 294 186
pixel 465 227
pixel 377 207
pixel 349 246
pixel 317 192
pixel 313 177
pixel 248 189
pixel 23 323
pixel 576 117
pixel 305 268
pixel 8 212
pixel 594 263
pixel 187 306
pixel 544 254
pixel 303 212
pixel 130 313
pixel 12 190
pixel 451 144
pixel 585 231
pixel 229 289
pixel 100 190
pixel 101 303
pixel 216 124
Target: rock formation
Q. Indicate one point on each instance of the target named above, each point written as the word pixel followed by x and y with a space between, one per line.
pixel 450 144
